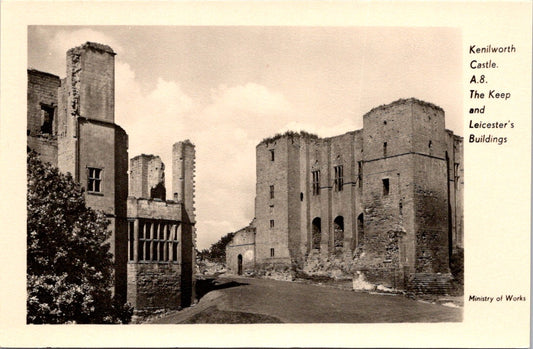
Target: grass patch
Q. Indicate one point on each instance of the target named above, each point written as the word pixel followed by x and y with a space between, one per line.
pixel 213 315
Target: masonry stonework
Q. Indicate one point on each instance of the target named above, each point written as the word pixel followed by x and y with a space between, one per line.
pixel 71 125
pixel 386 200
pixel 240 251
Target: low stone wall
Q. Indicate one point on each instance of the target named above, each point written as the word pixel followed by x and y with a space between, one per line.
pixel 154 286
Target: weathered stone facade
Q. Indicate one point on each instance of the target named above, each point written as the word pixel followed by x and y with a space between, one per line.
pixel 387 199
pixel 71 125
pixel 240 251
pixel 161 235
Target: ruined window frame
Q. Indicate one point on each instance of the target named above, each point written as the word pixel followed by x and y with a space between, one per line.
pixel 95 178
pixel 360 173
pixel 316 182
pixel 386 186
pixel 50 110
pixel 157 245
pixel 339 178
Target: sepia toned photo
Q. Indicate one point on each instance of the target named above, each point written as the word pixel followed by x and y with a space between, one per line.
pixel 265 174
pixel 311 175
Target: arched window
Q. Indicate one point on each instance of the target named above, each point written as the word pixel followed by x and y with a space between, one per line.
pixel 338 228
pixel 316 233
pixel 360 230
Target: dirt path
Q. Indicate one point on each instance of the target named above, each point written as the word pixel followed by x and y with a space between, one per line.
pixel 291 302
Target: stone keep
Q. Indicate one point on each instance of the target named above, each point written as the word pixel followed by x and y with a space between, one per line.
pixel 386 199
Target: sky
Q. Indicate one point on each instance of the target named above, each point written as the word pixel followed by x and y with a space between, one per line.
pixel 226 88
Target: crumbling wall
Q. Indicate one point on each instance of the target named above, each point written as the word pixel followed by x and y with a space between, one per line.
pixel 42 96
pixel 147 177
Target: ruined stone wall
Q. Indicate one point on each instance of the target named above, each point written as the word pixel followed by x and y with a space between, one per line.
pixel 183 188
pixel 147 177
pixel 304 195
pixel 154 286
pixel 293 198
pixel 455 164
pixel 155 267
pixel 96 86
pixel 42 93
pixel 387 192
pixel 183 176
pixel 153 209
pixel 357 190
pixel 458 214
pixel 42 102
pixel 272 173
pixel 398 215
pixel 431 190
pixel 243 244
pixel 342 223
pixel 46 147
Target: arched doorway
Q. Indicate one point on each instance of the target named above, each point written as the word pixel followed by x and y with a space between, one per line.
pixel 338 229
pixel 316 225
pixel 239 265
pixel 360 230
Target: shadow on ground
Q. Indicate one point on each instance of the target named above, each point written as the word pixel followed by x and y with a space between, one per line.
pixel 203 286
pixel 213 315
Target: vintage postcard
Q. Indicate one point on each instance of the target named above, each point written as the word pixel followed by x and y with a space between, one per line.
pixel 331 174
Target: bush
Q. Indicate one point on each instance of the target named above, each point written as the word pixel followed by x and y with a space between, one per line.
pixel 69 266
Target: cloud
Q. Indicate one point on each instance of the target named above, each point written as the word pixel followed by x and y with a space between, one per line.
pixel 225 130
pixel 64 40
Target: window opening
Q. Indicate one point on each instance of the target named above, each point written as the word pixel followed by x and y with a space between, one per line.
pixel 47 119
pixel 271 252
pixel 338 226
pixel 131 238
pixel 94 180
pixel 271 154
pixel 271 191
pixel 385 186
pixel 316 182
pixel 316 233
pixel 385 149
pixel 339 180
pixel 271 223
pixel 360 173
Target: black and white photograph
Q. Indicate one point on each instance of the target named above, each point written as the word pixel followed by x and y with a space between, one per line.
pixel 303 165
pixel 279 176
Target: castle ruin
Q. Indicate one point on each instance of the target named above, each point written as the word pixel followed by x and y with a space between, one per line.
pixel 386 201
pixel 71 125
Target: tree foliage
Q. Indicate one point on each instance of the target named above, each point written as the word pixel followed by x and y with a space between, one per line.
pixel 69 266
pixel 217 251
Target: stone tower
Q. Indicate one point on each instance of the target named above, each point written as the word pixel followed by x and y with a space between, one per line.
pixel 91 146
pixel 405 195
pixel 183 189
pixel 277 200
